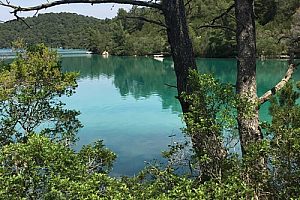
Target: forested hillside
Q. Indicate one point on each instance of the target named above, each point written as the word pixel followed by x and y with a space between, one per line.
pixel 131 33
pixel 118 36
pixel 56 30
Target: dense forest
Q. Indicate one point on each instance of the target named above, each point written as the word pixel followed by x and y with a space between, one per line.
pixel 141 31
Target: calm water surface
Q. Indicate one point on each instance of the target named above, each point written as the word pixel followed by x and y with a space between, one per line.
pixel 125 102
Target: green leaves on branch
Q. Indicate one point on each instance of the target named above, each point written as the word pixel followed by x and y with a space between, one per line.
pixel 272 165
pixel 43 166
pixel 284 137
pixel 29 92
pixel 98 158
pixel 210 119
pixel 43 169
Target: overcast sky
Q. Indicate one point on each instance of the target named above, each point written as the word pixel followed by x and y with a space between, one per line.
pixel 100 11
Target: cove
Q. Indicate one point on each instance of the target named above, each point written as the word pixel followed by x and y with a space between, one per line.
pixel 125 102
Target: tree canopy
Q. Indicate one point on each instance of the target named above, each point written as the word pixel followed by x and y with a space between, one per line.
pixel 30 87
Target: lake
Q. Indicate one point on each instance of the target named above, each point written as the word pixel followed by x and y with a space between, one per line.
pixel 125 102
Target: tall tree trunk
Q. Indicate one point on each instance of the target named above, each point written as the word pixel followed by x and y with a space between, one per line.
pixel 182 53
pixel 246 73
pixel 181 45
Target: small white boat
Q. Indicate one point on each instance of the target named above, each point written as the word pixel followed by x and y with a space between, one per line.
pixel 105 54
pixel 159 57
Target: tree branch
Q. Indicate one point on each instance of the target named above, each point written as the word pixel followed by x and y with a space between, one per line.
pixel 222 14
pixel 188 7
pixel 283 37
pixel 291 39
pixel 171 86
pixel 148 20
pixel 62 2
pixel 212 24
pixel 187 3
pixel 20 18
pixel 266 97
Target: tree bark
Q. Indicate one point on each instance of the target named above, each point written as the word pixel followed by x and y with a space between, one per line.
pixel 246 73
pixel 181 45
pixel 288 75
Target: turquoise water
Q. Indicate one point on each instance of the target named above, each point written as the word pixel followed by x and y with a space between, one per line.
pixel 9 53
pixel 125 102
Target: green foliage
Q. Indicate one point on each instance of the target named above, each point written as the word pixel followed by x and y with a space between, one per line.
pixel 267 42
pixel 42 169
pixel 99 158
pixel 270 168
pixel 294 44
pixel 265 10
pixel 119 38
pixel 275 26
pixel 30 87
pixel 211 42
pixel 284 134
pixel 55 30
pixel 66 30
pixel 210 117
pixel 97 42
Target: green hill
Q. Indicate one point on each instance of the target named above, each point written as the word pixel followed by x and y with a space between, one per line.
pixel 56 30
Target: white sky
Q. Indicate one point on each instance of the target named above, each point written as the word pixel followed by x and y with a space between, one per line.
pixel 100 11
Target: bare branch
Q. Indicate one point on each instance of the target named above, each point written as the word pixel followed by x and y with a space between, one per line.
pixel 187 3
pixel 222 14
pixel 20 18
pixel 266 97
pixel 148 20
pixel 284 37
pixel 62 2
pixel 212 24
pixel 35 14
pixel 171 86
pixel 291 39
pixel 188 7
pixel 217 26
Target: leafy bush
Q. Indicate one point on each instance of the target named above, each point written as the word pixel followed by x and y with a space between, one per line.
pixel 30 87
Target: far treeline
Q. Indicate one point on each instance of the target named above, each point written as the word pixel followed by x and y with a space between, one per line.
pixel 141 31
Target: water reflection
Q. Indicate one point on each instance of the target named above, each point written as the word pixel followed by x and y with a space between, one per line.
pixel 124 100
pixel 139 77
pixel 142 77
